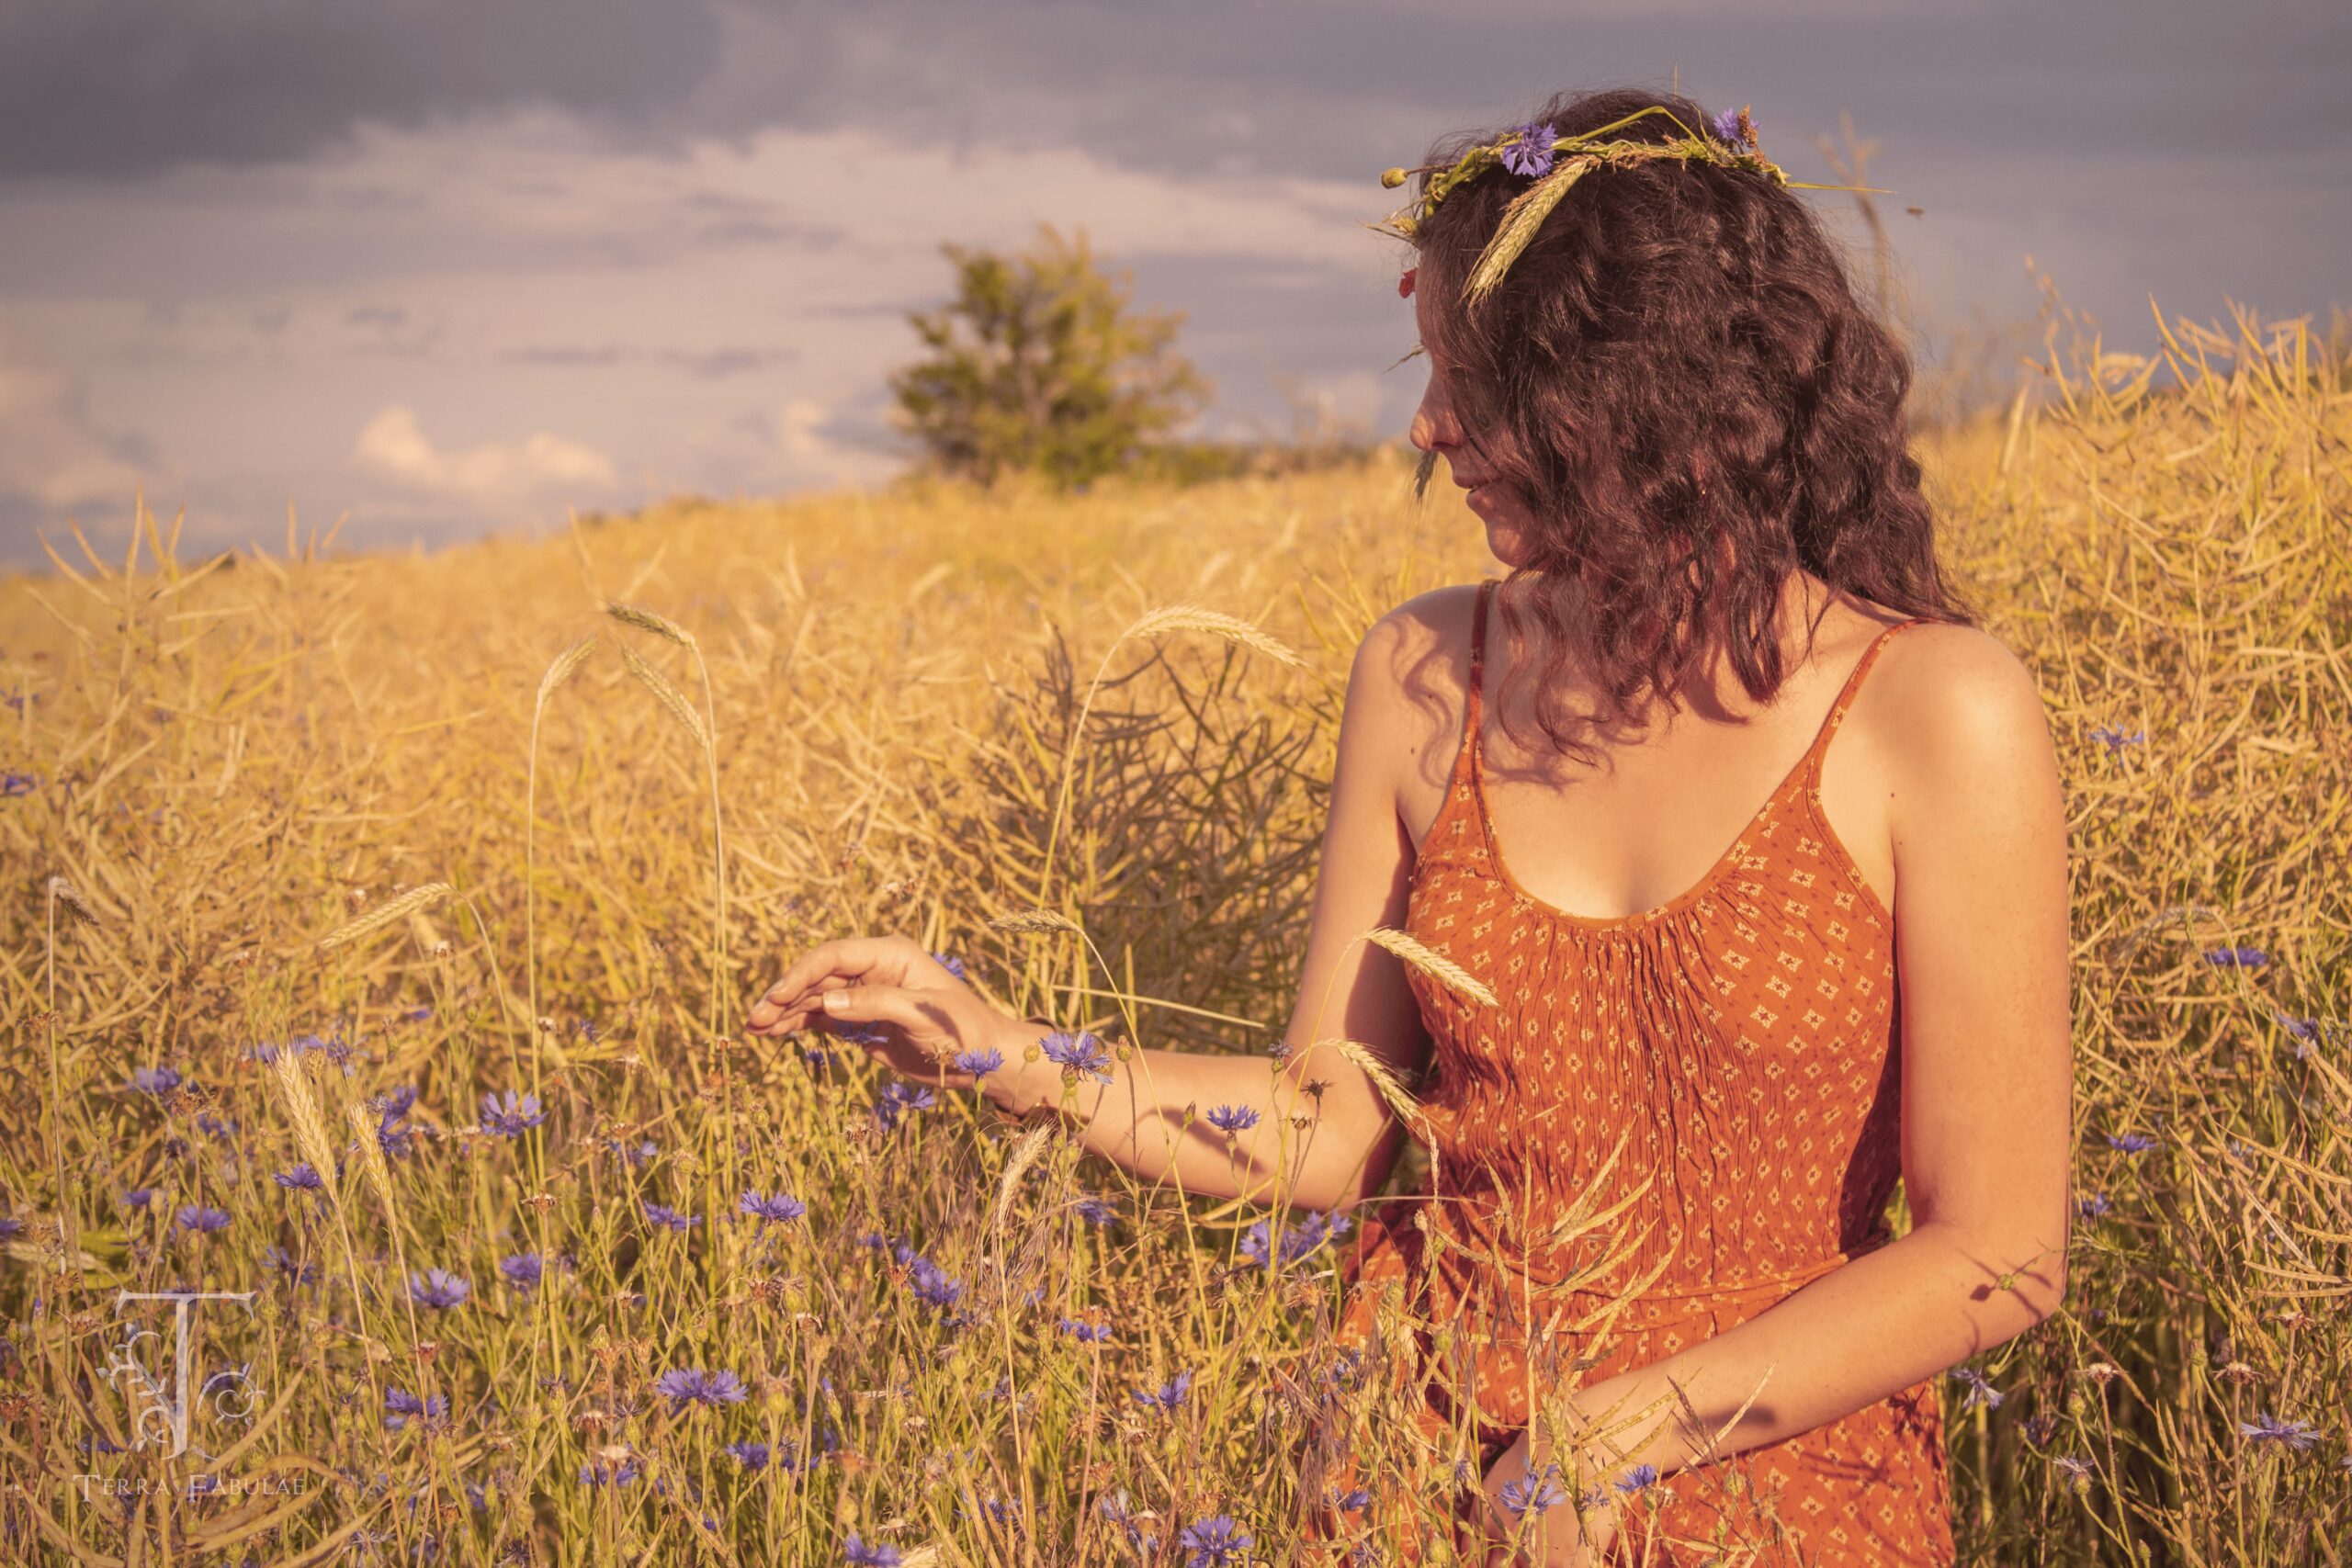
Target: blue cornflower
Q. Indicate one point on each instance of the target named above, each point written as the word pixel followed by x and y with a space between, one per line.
pixel 1297 1240
pixel 602 1474
pixel 1233 1118
pixel 157 1081
pixel 1095 1211
pixel 1357 1501
pixel 979 1064
pixel 1168 1395
pixel 692 1385
pixel 1640 1478
pixel 932 1284
pixel 953 965
pixel 1085 1333
pixel 523 1270
pixel 868 1554
pixel 438 1288
pixel 278 1260
pixel 397 1139
pixel 197 1217
pixel 17 783
pixel 2114 740
pixel 1979 1391
pixel 999 1510
pixel 2237 958
pixel 139 1198
pixel 2130 1143
pixel 1534 1492
pixel 2092 1205
pixel 1079 1054
pixel 1123 1514
pixel 899 1098
pixel 1530 152
pixel 667 1218
pixel 771 1208
pixel 2303 1031
pixel 511 1118
pixel 1725 125
pixel 417 1015
pixel 2300 1436
pixel 859 1033
pixel 751 1456
pixel 303 1177
pixel 214 1126
pixel 401 1406
pixel 1214 1542
pixel 634 1154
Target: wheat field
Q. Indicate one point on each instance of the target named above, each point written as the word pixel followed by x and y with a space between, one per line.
pixel 380 927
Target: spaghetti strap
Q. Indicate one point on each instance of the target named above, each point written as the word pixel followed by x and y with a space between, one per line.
pixel 1478 640
pixel 1846 695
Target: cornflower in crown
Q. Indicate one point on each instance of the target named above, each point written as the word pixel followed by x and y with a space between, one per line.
pixel 1555 163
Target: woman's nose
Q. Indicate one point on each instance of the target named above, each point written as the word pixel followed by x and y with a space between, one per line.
pixel 1432 425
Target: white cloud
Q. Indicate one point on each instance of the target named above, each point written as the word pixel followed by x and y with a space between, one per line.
pixel 393 446
pixel 55 456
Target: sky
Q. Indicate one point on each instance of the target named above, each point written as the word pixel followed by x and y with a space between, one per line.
pixel 446 267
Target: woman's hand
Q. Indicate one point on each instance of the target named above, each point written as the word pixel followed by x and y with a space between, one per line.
pixel 1531 1518
pixel 922 1017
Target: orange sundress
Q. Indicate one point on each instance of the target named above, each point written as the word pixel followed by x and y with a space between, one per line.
pixel 1742 1043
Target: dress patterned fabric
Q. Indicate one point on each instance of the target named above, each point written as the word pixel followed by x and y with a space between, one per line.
pixel 1737 1049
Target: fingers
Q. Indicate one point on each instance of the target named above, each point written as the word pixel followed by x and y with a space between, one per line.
pixel 786 1004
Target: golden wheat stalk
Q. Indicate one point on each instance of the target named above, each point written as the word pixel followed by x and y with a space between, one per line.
pixel 1035 921
pixel 647 620
pixel 384 914
pixel 1026 1151
pixel 301 1106
pixel 1520 222
pixel 565 664
pixel 1433 964
pixel 364 1126
pixel 672 698
pixel 1193 619
pixel 71 897
pixel 1407 1108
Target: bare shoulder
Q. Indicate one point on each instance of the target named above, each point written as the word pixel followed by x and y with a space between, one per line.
pixel 1406 693
pixel 1940 691
pixel 1958 730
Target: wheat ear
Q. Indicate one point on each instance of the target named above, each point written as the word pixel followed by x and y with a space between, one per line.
pixel 672 698
pixel 1193 619
pixel 1520 222
pixel 1407 1108
pixel 1432 963
pixel 384 914
pixel 647 620
pixel 1035 921
pixel 1025 1150
pixel 302 1110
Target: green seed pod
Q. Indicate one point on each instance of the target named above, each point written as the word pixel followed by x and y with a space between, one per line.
pixel 1392 178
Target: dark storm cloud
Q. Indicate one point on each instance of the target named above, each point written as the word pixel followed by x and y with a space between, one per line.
pixel 132 87
pixel 1319 87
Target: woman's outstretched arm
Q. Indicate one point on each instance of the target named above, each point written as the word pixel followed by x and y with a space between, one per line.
pixel 1982 946
pixel 1310 1125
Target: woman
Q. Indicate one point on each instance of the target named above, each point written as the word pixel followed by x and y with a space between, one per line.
pixel 1685 439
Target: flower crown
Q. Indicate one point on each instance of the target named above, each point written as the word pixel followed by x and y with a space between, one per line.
pixel 1534 151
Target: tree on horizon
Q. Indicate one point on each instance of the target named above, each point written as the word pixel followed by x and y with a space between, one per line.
pixel 1041 363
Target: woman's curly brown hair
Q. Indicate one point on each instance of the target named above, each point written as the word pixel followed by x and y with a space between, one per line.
pixel 1677 364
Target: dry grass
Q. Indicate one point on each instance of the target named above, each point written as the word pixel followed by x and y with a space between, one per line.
pixel 221 761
